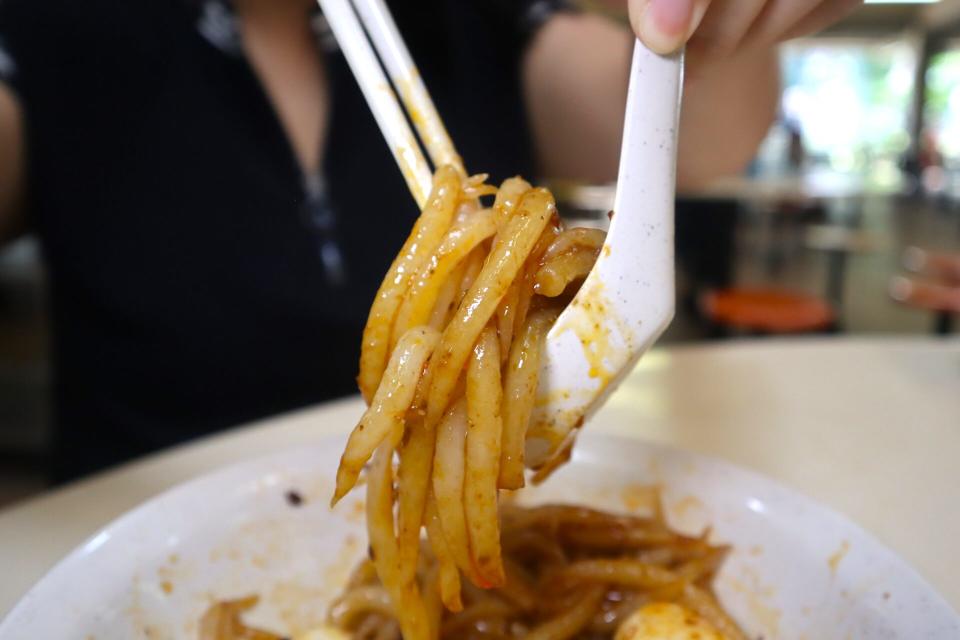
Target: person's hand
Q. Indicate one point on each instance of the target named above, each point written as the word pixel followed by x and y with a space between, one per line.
pixel 714 29
pixel 939 290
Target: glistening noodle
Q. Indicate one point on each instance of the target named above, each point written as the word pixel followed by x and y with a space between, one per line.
pixel 449 369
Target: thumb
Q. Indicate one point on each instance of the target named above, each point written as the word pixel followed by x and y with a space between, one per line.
pixel 665 25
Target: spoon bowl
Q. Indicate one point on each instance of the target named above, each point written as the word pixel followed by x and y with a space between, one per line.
pixel 627 300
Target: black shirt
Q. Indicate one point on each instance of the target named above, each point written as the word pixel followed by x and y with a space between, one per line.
pixel 194 284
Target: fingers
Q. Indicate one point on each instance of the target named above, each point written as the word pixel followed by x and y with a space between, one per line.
pixel 941 266
pixel 722 25
pixel 784 19
pixel 725 25
pixel 822 17
pixel 664 26
pixel 934 297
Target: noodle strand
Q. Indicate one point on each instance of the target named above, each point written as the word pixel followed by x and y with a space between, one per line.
pixel 520 234
pixel 389 405
pixel 484 397
pixel 426 236
pixel 519 393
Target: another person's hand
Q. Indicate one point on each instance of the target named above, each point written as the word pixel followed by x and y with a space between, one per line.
pixel 940 288
pixel 717 29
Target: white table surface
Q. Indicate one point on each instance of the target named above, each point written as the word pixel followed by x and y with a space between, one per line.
pixel 813 185
pixel 870 427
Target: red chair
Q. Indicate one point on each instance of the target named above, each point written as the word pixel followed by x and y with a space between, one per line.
pixel 768 311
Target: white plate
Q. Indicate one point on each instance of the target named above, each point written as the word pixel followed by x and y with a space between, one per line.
pixel 798 570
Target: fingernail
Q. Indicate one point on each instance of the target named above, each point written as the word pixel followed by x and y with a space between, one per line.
pixel 914 259
pixel 663 25
pixel 900 288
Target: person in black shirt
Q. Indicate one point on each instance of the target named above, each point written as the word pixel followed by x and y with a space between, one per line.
pixel 216 206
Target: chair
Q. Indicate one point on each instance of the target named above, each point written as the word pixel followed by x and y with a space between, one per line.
pixel 767 311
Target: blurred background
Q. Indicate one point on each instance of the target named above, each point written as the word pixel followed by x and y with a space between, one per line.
pixel 862 165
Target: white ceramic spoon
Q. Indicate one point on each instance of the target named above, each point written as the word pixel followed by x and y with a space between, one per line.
pixel 627 299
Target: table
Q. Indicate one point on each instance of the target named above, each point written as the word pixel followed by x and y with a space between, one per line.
pixel 870 427
pixel 798 188
pixel 810 186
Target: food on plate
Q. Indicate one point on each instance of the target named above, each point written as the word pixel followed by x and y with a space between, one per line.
pixel 572 572
pixel 449 370
pixel 666 621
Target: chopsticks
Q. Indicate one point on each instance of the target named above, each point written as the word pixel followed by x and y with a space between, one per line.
pixel 354 38
pixel 406 79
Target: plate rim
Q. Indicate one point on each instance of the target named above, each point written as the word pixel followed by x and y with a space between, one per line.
pixel 770 485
